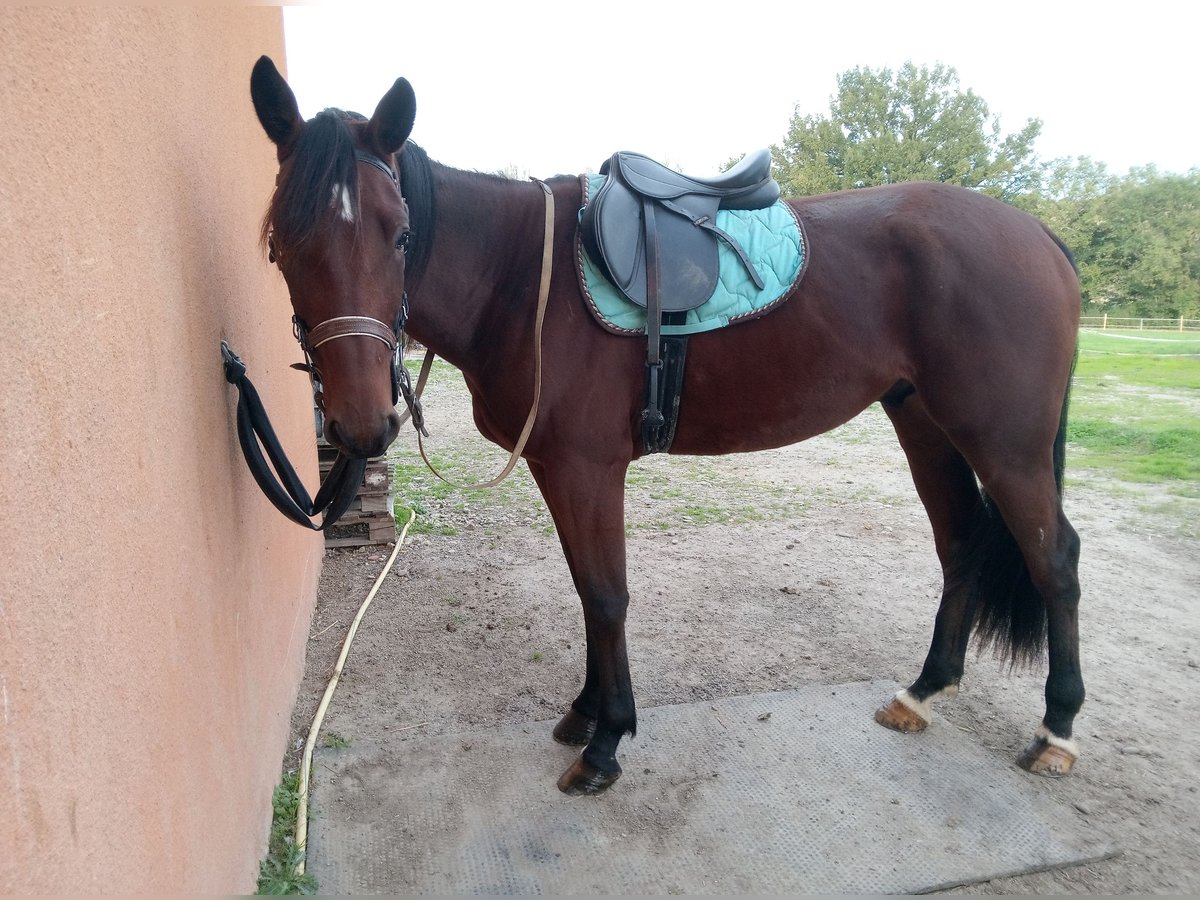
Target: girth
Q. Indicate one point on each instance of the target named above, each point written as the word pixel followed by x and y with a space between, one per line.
pixel 653 233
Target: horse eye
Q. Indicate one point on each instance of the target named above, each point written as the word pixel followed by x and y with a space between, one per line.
pixel 272 252
pixel 402 241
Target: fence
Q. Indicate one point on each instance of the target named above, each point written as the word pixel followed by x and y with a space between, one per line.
pixel 1132 323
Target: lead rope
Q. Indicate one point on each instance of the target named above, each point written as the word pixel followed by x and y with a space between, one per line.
pixel 543 297
pixel 301 840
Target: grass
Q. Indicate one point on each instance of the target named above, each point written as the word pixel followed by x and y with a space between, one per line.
pixel 1135 411
pixel 277 872
pixel 440 507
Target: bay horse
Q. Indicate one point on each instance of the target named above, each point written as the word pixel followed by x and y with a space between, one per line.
pixel 955 311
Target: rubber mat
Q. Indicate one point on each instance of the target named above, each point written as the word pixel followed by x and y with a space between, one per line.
pixel 792 792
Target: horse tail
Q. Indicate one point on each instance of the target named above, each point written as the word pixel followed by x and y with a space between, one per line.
pixel 1010 613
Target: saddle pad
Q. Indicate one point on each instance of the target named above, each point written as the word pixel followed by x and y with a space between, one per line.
pixel 773 240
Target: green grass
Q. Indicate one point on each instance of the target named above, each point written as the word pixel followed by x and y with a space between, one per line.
pixel 1135 410
pixel 1137 452
pixel 440 506
pixel 277 872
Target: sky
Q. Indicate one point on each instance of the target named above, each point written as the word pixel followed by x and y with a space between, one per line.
pixel 544 88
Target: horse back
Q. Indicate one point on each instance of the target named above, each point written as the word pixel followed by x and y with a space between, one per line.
pixel 923 283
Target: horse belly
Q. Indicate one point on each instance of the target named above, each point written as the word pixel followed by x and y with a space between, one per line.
pixel 774 388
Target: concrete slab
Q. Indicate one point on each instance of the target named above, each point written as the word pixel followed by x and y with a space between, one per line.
pixel 717 797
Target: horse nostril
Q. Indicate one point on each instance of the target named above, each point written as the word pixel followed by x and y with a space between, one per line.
pixel 331 434
pixel 393 426
pixel 369 444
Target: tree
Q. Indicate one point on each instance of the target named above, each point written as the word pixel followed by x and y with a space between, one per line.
pixel 911 125
pixel 1070 203
pixel 1142 253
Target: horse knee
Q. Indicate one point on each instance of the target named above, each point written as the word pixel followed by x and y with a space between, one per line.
pixel 606 611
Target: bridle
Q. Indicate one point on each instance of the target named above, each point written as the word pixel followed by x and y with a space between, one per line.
pixel 392 336
pixel 341 485
pixel 279 481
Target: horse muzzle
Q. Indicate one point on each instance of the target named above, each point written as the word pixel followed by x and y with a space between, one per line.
pixel 363 436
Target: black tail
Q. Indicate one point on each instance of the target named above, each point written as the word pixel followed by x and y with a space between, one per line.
pixel 1010 614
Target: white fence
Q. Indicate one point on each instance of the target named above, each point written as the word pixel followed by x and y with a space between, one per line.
pixel 1128 323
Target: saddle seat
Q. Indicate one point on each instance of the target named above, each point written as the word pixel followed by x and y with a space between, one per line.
pixel 747 185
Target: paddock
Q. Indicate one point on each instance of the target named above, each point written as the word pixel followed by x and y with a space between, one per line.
pixel 816 560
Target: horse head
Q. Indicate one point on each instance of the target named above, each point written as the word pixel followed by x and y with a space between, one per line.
pixel 338 228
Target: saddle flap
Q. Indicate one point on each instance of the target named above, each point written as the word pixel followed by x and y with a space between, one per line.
pixel 614 234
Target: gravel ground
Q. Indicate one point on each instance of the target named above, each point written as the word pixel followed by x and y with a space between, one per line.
pixel 808 565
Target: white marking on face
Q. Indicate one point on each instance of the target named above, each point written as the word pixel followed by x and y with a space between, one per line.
pixel 341 198
pixel 1041 537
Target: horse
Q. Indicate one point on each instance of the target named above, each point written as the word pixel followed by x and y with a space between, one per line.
pixel 958 313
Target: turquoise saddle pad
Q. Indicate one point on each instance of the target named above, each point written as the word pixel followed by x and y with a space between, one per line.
pixel 773 240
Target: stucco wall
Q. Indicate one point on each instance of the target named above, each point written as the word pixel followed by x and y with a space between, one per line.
pixel 153 606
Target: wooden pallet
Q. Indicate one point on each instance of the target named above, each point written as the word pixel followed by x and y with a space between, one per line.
pixel 369 518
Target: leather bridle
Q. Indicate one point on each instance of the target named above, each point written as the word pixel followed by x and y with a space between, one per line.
pixel 279 481
pixel 392 336
pixel 340 486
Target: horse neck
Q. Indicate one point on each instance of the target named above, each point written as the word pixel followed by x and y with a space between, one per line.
pixel 485 255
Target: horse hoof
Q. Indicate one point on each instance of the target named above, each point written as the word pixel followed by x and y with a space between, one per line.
pixel 899 717
pixel 1053 760
pixel 574 729
pixel 582 777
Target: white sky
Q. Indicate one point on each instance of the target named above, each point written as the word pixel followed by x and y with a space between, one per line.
pixel 522 83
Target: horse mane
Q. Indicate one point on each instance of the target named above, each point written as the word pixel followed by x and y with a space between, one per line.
pixel 322 159
pixel 416 184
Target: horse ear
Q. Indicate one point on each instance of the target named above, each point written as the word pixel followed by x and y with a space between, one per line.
pixel 393 119
pixel 275 104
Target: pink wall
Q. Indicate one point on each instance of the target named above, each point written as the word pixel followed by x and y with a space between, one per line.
pixel 153 606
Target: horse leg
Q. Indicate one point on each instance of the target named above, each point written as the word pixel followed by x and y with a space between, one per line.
pixel 1032 509
pixel 588 505
pixel 1011 572
pixel 947 488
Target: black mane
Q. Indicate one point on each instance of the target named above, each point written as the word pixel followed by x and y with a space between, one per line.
pixel 322 159
pixel 416 184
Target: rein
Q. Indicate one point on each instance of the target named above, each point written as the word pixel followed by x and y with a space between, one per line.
pixel 338 490
pixel 543 298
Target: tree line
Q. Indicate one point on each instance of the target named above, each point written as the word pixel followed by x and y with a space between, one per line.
pixel 1135 237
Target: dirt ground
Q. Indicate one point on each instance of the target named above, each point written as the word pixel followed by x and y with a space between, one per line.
pixel 771 571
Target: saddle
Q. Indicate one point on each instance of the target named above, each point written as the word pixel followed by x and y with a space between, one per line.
pixel 653 234
pixel 653 231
